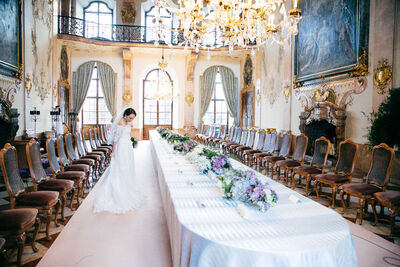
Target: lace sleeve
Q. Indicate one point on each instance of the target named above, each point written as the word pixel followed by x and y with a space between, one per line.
pixel 118 131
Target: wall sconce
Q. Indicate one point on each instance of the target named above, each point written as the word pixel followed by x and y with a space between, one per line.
pixel 286 92
pixel 189 98
pixel 28 84
pixel 127 97
pixel 382 76
pixel 258 95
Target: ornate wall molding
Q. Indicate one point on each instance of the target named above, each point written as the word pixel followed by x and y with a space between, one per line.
pixel 8 88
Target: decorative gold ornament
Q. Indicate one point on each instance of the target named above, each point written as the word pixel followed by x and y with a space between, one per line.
pixel 382 76
pixel 286 92
pixel 296 83
pixel 28 85
pixel 20 72
pixel 258 95
pixel 127 97
pixel 189 98
pixel 361 68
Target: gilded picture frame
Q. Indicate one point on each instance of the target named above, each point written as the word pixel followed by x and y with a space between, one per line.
pixel 332 39
pixel 10 30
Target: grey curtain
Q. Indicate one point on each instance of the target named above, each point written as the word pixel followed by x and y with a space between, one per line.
pixel 207 84
pixel 107 78
pixel 230 83
pixel 80 85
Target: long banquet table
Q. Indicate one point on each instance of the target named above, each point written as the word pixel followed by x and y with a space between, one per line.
pixel 207 230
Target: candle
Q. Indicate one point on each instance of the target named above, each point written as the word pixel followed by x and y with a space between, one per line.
pixel 295 4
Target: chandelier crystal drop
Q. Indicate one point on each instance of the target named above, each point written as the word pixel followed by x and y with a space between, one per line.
pixel 214 23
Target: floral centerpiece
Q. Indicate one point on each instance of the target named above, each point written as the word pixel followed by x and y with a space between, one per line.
pixel 220 163
pixel 202 164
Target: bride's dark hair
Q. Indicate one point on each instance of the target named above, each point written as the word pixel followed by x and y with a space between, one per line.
pixel 129 111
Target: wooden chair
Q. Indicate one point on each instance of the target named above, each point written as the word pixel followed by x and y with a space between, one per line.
pixel 269 147
pixel 236 140
pixel 390 200
pixel 103 152
pixel 44 201
pixel 231 148
pixel 96 135
pixel 13 225
pixel 97 156
pixel 94 147
pixel 376 180
pixel 283 153
pixel 214 134
pixel 202 132
pixel 74 157
pixel 248 154
pixel 40 179
pixel 221 136
pixel 248 146
pixel 316 167
pixel 297 158
pixel 59 173
pixel 230 139
pixel 343 171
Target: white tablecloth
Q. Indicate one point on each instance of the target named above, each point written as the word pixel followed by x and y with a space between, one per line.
pixel 206 229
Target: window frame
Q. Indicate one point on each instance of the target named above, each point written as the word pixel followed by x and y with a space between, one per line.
pixel 171 17
pixel 97 101
pixel 214 101
pixel 158 101
pixel 98 16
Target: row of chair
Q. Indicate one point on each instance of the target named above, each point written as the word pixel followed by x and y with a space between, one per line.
pixel 271 153
pixel 71 164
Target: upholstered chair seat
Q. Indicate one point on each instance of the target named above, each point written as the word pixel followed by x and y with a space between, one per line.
pixel 288 163
pixel 14 223
pixel 77 167
pixel 45 199
pixel 360 189
pixel 390 200
pixel 17 219
pixel 71 175
pixel 57 185
pixel 332 178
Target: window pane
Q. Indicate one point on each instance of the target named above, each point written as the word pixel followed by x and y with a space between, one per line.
pixel 92 91
pixel 92 8
pixel 104 8
pixel 91 17
pixel 219 91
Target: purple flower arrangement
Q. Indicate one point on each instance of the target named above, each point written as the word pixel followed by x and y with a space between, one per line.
pixel 220 163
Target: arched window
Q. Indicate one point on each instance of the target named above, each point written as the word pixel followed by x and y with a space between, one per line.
pixel 98 19
pixel 217 112
pixel 150 23
pixel 94 109
pixel 157 100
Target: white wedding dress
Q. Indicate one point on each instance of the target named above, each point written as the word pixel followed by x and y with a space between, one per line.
pixel 118 190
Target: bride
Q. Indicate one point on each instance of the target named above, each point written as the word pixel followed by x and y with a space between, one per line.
pixel 118 191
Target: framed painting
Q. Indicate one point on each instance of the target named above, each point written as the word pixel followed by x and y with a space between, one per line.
pixel 64 101
pixel 332 38
pixel 10 43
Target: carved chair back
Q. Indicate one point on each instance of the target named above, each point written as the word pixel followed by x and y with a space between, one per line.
pixel 243 140
pixel 84 142
pixel 102 133
pixel 78 142
pixel 261 137
pixel 300 148
pixel 51 155
pixel 91 140
pixel 71 152
pixel 62 156
pixel 250 141
pixel 270 142
pixel 231 134
pixel 96 139
pixel 321 151
pixel 286 142
pixel 238 135
pixel 382 160
pixel 9 167
pixel 37 172
pixel 347 158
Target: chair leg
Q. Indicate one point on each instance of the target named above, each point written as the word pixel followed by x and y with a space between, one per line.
pixel 373 204
pixel 294 180
pixel 38 223
pixel 48 214
pixel 361 201
pixel 56 214
pixel 72 198
pixel 342 199
pixel 316 184
pixel 20 243
pixel 63 197
pixel 334 191
pixel 308 183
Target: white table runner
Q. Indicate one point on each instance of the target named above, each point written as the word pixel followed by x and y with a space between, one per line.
pixel 206 229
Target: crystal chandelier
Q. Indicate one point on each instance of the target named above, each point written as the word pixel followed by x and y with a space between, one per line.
pixel 215 23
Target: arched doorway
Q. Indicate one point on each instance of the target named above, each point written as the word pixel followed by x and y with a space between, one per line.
pixel 157 101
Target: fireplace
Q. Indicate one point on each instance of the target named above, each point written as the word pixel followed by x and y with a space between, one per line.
pixel 323 119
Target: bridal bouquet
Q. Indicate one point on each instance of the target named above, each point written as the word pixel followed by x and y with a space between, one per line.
pixel 134 142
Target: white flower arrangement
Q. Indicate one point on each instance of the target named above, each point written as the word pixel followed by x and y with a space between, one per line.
pixel 202 164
